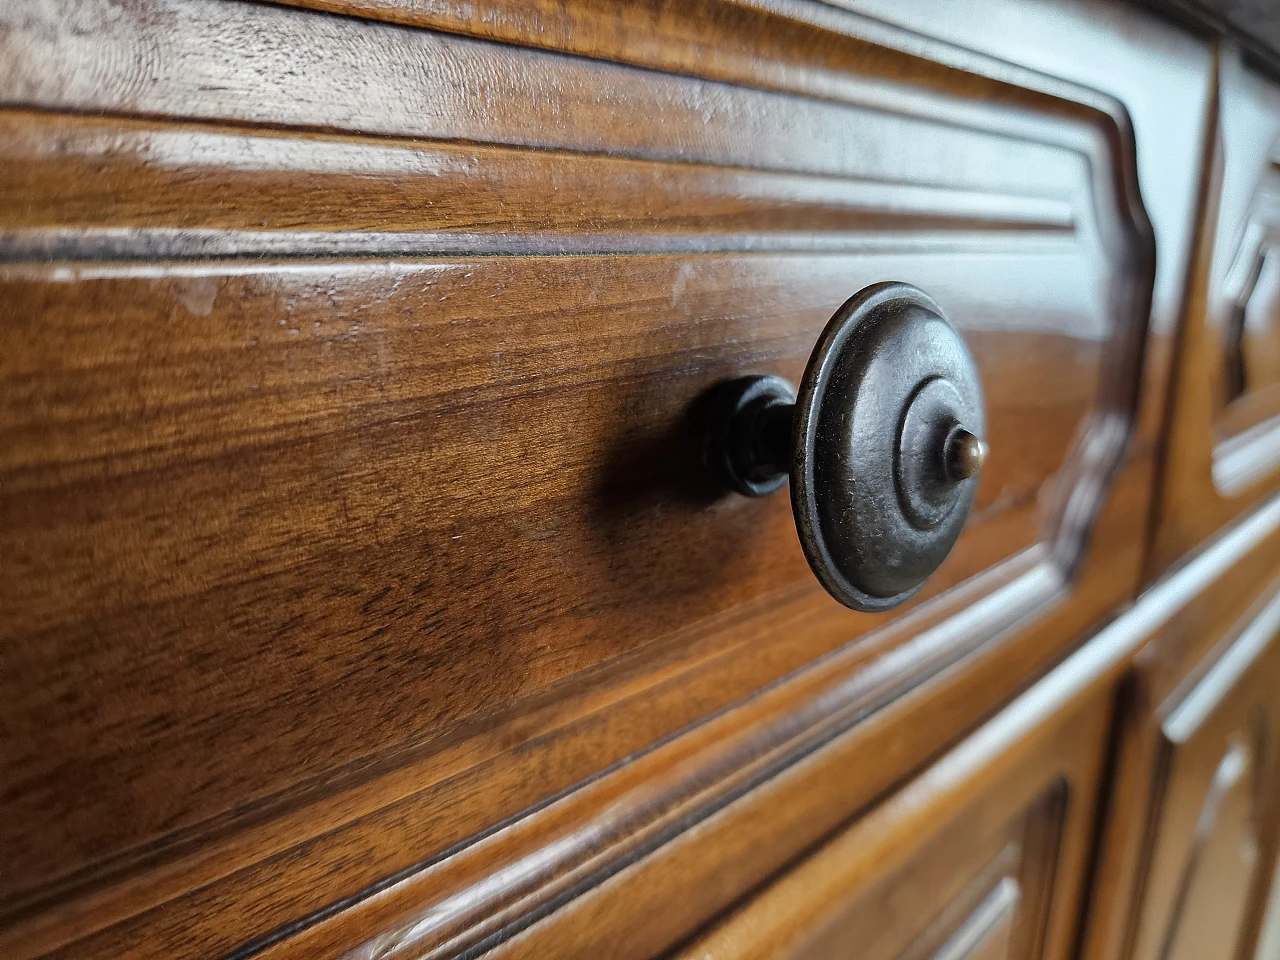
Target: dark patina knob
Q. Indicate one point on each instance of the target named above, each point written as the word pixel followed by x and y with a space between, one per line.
pixel 882 443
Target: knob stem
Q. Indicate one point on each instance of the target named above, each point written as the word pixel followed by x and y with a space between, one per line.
pixel 880 444
pixel 751 434
pixel 773 436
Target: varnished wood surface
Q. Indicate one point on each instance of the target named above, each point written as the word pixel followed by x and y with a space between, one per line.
pixel 1223 449
pixel 1005 817
pixel 1183 197
pixel 80 188
pixel 1191 834
pixel 803 909
pixel 560 542
pixel 302 549
pixel 1215 834
pixel 360 432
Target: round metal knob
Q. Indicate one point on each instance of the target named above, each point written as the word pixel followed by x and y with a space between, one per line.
pixel 881 442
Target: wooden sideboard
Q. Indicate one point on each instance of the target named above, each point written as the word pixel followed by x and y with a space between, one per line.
pixel 371 592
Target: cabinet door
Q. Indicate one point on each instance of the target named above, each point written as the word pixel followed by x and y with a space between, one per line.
pixel 980 857
pixel 1212 806
pixel 978 890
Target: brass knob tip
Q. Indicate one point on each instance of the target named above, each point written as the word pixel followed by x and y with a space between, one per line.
pixel 964 455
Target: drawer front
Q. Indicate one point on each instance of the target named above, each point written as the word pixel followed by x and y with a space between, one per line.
pixel 351 456
pixel 1246 308
pixel 981 857
pixel 973 893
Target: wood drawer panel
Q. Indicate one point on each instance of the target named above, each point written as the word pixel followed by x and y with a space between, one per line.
pixel 1243 314
pixel 973 892
pixel 353 499
pixel 930 875
pixel 1215 587
pixel 432 501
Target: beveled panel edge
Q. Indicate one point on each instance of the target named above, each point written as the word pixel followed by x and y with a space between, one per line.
pixel 104 244
pixel 1189 712
pixel 204 61
pixel 1247 459
pixel 433 198
pixel 998 908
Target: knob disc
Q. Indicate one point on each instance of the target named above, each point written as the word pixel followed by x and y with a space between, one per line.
pixel 885 446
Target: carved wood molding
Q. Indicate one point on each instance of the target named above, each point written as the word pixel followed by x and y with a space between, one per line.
pixel 162 76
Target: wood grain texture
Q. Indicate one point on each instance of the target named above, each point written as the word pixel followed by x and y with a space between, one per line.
pixel 82 189
pixel 1223 449
pixel 1007 816
pixel 506 500
pixel 333 558
pixel 1187 845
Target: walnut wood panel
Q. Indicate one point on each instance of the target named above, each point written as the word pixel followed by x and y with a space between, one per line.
pixel 922 876
pixel 1250 214
pixel 1162 75
pixel 1224 440
pixel 1216 760
pixel 1192 833
pixel 328 555
pixel 400 428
